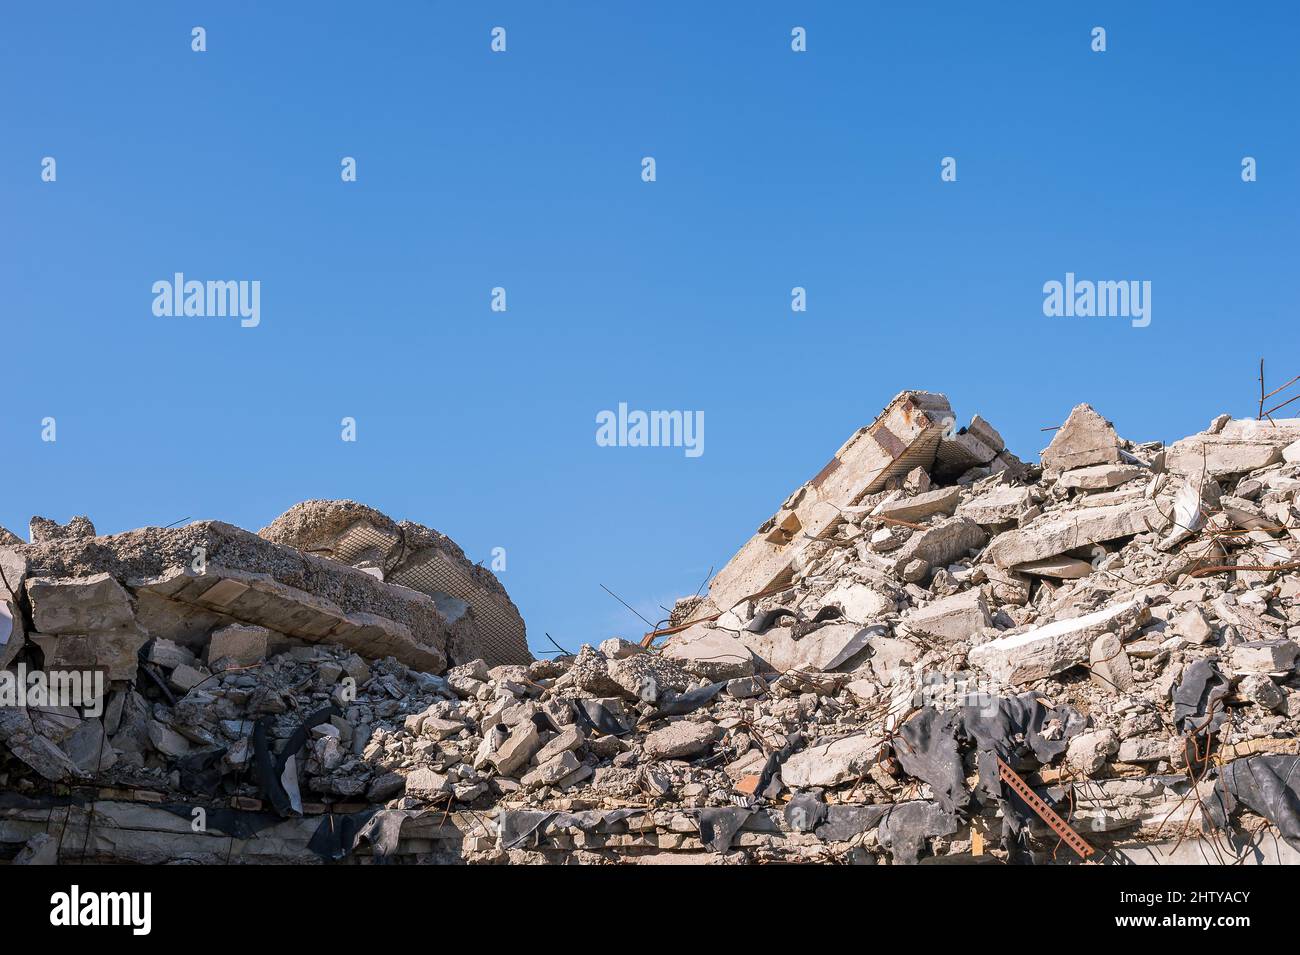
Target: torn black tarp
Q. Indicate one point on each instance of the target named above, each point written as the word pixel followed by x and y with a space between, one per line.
pixel 905 827
pixel 1199 711
pixel 1198 698
pixel 1018 729
pixel 336 836
pixel 278 774
pixel 672 703
pixel 240 823
pixel 766 620
pixel 593 715
pixel 202 772
pixel 1267 784
pixel 805 812
pixel 517 826
pixel 595 820
pixel 719 826
pixel 769 782
pixel 847 822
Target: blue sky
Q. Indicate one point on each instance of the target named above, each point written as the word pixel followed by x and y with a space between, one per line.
pixel 522 170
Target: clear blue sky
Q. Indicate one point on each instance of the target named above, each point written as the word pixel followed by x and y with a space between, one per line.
pixel 522 170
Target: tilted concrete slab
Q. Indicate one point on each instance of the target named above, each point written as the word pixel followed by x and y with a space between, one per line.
pixel 209 572
pixel 904 436
pixel 1054 534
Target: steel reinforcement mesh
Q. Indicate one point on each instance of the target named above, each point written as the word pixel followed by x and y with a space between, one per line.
pixel 501 630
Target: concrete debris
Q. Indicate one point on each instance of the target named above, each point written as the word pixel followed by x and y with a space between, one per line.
pixel 1085 439
pixel 1121 621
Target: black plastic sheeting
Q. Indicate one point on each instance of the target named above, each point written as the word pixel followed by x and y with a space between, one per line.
pixel 336 836
pixel 270 767
pixel 594 717
pixel 519 826
pixel 1199 698
pixel 766 620
pixel 524 827
pixel 905 827
pixel 718 827
pixel 240 823
pixel 769 784
pixel 805 812
pixel 1267 784
pixel 672 703
pixel 1199 711
pixel 929 747
pixel 203 772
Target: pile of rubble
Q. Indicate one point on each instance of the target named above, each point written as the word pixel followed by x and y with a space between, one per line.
pixel 933 652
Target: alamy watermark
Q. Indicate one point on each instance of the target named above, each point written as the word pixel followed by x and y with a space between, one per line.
pixel 83 689
pixel 651 429
pixel 211 299
pixel 133 910
pixel 1084 298
pixel 944 690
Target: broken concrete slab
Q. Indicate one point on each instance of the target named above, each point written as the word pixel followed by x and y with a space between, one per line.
pixel 42 530
pixel 30 746
pixel 569 738
pixel 1242 446
pixel 861 603
pixel 239 645
pixel 1088 752
pixel 682 740
pixel 941 543
pixel 13 630
pixel 978 445
pixel 949 619
pixel 1265 656
pixel 553 770
pixel 517 749
pixel 823 650
pixel 1101 477
pixel 238 577
pixel 1054 534
pixel 919 507
pixel 832 763
pixel 1043 651
pixel 1109 664
pixel 168 654
pixel 116 652
pixel 79 605
pixel 88 747
pixel 1086 438
pixel 998 505
pixel 712 654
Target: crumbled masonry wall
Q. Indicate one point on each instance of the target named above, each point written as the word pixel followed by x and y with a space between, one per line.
pixel 1120 624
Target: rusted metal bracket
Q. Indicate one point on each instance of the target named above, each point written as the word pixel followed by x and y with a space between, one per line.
pixel 1045 812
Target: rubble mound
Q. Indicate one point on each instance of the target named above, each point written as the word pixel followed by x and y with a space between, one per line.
pixel 932 652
